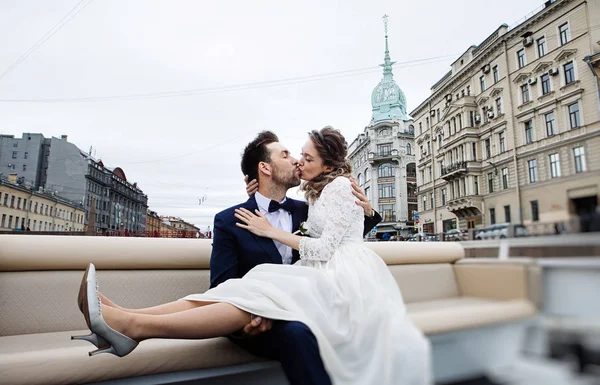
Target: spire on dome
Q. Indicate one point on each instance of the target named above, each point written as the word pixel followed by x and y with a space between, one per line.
pixel 387 65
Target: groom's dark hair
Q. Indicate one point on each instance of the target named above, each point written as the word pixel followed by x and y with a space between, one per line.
pixel 256 152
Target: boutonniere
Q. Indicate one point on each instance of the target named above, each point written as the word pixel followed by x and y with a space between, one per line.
pixel 303 229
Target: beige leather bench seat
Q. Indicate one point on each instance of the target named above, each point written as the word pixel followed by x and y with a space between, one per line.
pixel 40 276
pixel 53 358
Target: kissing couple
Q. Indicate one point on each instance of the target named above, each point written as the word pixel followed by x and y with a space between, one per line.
pixel 321 302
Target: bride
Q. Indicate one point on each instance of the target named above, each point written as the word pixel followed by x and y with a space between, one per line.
pixel 340 289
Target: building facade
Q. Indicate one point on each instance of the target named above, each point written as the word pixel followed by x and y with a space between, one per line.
pixel 57 166
pixel 512 132
pixel 153 223
pixel 24 209
pixel 382 157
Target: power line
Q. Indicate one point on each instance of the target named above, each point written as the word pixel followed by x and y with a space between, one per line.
pixel 234 87
pixel 51 32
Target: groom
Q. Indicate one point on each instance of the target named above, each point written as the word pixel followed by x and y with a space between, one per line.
pixel 236 251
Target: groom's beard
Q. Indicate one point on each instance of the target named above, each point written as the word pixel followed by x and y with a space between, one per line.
pixel 285 179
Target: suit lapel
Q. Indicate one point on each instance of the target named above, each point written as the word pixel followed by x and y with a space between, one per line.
pixel 299 215
pixel 265 243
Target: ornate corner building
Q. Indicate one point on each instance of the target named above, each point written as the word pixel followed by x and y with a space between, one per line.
pixel 512 132
pixel 382 157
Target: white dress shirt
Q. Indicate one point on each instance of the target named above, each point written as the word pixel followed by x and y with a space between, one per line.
pixel 280 219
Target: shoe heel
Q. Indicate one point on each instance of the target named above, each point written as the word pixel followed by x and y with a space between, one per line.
pixel 92 338
pixel 109 349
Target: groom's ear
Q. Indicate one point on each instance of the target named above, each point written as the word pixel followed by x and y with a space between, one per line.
pixel 264 168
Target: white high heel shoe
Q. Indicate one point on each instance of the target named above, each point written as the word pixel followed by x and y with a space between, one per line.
pixel 120 345
pixel 92 338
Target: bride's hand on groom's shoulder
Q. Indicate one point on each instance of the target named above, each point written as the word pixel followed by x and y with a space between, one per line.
pixel 251 186
pixel 362 198
pixel 255 223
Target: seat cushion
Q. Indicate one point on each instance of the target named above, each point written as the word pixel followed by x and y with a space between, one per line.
pixel 459 313
pixel 425 282
pixel 53 358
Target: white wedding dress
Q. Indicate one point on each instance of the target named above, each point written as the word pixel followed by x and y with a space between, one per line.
pixel 344 293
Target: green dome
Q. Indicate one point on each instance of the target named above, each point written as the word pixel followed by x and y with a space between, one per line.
pixel 388 100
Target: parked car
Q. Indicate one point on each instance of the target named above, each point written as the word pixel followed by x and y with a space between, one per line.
pixel 500 231
pixel 456 235
pixel 423 237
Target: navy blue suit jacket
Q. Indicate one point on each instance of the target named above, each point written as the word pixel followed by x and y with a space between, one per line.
pixel 236 251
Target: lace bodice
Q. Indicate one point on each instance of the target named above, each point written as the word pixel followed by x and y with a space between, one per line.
pixel 334 220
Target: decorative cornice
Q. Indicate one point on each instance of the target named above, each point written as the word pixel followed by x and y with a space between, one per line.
pixel 496 91
pixel 542 66
pixel 565 54
pixel 520 78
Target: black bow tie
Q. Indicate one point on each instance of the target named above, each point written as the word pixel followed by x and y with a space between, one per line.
pixel 287 205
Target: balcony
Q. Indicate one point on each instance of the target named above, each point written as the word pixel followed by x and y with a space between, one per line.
pixel 466 206
pixel 383 156
pixel 455 170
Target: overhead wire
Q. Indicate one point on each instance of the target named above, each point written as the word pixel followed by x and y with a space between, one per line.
pixel 51 32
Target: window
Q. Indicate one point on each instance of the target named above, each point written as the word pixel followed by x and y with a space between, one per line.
pixel 14 155
pixel 384 149
pixel 35 208
pixel 19 203
pixel 359 178
pixel 408 149
pixel 529 131
pixel 579 155
pixel 387 190
pixel 499 106
pixel 476 185
pixel 460 123
pixel 444 197
pixel 505 178
pixel 367 175
pixel 482 82
pixel 385 170
pixel 574 119
pixel 424 202
pixel 507 214
pixel 10 221
pixel 533 174
pixel 541 46
pixel 569 71
pixel 492 216
pixel 430 173
pixel 564 34
pixel 3 220
pixel 12 202
pixel 535 212
pixel 15 144
pixel 550 124
pixel 472 118
pixel 488 150
pixel 554 165
pixel 525 93
pixel 431 199
pixel 495 74
pixel 521 58
pixel 25 155
pixel 420 128
pixel 474 150
pixel 502 141
pixel 490 177
pixel 468 90
pixel 545 78
pixel 387 212
pixel 24 167
pixel 367 194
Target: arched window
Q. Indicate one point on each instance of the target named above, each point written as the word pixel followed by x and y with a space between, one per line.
pixel 408 149
pixel 367 175
pixel 385 170
pixel 360 181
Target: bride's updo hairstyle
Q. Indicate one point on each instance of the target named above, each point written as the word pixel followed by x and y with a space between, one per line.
pixel 333 149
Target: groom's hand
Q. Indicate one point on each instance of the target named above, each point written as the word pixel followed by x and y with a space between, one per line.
pixel 258 325
pixel 363 201
pixel 252 186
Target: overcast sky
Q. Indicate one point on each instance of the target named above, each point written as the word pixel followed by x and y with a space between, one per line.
pixel 181 148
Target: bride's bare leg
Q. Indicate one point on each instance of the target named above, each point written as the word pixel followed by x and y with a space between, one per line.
pixel 167 308
pixel 213 320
